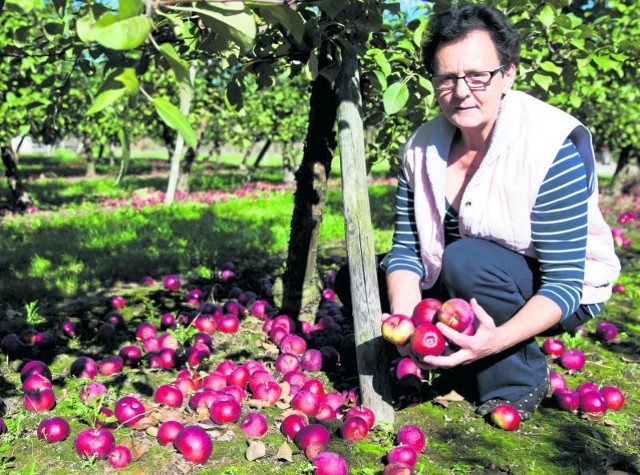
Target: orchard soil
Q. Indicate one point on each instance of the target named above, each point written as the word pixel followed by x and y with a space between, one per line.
pixel 458 441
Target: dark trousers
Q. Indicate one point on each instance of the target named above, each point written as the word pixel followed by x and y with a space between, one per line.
pixel 502 281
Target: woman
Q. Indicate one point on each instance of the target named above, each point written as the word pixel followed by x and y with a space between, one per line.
pixel 497 204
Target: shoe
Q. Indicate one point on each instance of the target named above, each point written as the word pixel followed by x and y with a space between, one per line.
pixel 525 406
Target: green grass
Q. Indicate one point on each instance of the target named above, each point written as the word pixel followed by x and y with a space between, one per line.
pixel 67 260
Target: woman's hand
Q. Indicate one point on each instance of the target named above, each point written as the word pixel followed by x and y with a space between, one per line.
pixel 471 347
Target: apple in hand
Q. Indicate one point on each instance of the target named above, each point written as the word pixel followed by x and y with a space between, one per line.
pixel 426 310
pixel 427 340
pixel 397 329
pixel 456 313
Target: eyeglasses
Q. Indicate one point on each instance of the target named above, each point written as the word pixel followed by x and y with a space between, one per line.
pixel 475 80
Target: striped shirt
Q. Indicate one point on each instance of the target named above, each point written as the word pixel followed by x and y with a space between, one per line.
pixel 558 231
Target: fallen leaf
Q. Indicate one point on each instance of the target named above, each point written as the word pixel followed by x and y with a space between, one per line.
pixel 137 449
pixel 144 423
pixel 285 453
pixel 255 450
pixel 260 404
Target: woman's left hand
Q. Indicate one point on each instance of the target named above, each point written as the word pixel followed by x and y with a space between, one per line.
pixel 471 347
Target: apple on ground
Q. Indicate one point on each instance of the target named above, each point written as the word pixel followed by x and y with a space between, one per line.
pixel 506 417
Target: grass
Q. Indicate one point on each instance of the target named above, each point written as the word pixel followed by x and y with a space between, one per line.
pixel 67 260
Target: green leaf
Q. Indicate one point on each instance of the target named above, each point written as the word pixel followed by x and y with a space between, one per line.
pixel 230 20
pixel 120 82
pixel 179 66
pixel 547 15
pixel 112 32
pixel 383 64
pixel 419 31
pixel 605 63
pixel 549 67
pixel 542 80
pixel 129 8
pixel 122 34
pixel 382 79
pixel 291 20
pixel 22 5
pixel 395 97
pixel 175 119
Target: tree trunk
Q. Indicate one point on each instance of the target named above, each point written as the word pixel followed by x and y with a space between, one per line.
pixel 186 96
pixel 287 164
pixel 300 285
pixel 18 198
pixel 263 152
pixel 125 145
pixel 189 159
pixel 89 159
pixel 169 139
pixel 626 178
pixel 245 156
pixel 373 367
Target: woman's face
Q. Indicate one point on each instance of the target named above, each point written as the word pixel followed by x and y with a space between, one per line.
pixel 472 110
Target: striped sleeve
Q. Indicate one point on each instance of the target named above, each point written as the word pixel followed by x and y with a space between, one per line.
pixel 405 248
pixel 559 229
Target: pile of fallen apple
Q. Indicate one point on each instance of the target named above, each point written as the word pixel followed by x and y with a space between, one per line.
pixel 417 336
pixel 200 398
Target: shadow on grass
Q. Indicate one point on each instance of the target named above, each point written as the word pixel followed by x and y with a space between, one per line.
pixel 121 249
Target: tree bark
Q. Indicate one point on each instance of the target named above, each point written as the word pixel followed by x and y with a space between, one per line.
pixel 263 152
pixel 300 285
pixel 189 159
pixel 18 198
pixel 89 158
pixel 373 366
pixel 626 178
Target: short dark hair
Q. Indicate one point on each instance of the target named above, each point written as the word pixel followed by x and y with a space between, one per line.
pixel 456 22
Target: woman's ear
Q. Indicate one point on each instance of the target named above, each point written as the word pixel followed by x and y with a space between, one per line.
pixel 509 77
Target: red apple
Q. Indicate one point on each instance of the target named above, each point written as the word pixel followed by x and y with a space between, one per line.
pixel 573 360
pixel 269 392
pixel 606 331
pixel 129 410
pixel 567 399
pixel 456 313
pixel 403 454
pixel 168 395
pixel 225 411
pixel 593 403
pixel 329 463
pixel 94 443
pixel 84 367
pixel 412 436
pixel 306 402
pixel 553 347
pixel 254 425
pixel 354 428
pixel 427 340
pixel 363 412
pixel 53 429
pixel 167 432
pixel 506 417
pixel 110 365
pixel 119 456
pixel 194 443
pixel 312 433
pixel 39 400
pixel 613 397
pixel 425 311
